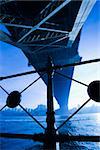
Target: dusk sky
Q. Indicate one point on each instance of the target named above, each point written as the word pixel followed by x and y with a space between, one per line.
pixel 12 61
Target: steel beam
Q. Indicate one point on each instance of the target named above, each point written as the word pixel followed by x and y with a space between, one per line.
pixel 50 132
pixel 5 1
pixel 82 15
pixel 16 25
pixel 39 45
pixel 30 27
pixel 59 138
pixel 46 7
pixel 40 49
pixel 45 19
pixel 53 30
pixel 5 37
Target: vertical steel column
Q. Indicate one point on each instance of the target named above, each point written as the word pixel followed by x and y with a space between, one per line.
pixel 50 108
pixel 50 130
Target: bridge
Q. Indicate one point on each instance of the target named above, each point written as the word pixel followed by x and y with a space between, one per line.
pixel 47 29
pixel 48 33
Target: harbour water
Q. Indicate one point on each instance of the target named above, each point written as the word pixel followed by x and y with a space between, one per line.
pixel 81 124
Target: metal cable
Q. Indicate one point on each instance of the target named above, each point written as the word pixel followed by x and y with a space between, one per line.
pixel 32 117
pixel 3 107
pixel 54 67
pixel 77 63
pixel 17 75
pixel 4 90
pixel 71 79
pixel 73 114
pixel 30 84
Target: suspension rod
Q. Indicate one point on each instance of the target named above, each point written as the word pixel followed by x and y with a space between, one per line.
pixel 31 84
pixel 73 114
pixel 3 107
pixel 71 79
pixel 32 117
pixel 4 90
pixel 53 67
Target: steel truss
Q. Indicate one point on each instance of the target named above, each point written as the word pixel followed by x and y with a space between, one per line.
pixel 28 33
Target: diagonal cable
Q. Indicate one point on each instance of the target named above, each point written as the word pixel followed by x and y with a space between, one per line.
pixel 31 84
pixel 32 117
pixel 3 107
pixel 73 114
pixel 4 90
pixel 71 78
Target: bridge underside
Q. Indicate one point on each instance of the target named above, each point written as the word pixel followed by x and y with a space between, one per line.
pixel 45 29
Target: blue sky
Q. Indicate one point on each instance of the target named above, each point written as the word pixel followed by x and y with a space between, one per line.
pixel 12 60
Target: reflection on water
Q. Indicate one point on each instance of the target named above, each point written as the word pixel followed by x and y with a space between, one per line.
pixel 97 117
pixel 81 124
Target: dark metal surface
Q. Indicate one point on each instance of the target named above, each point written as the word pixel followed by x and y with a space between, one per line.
pixel 35 27
pixel 54 67
pixel 59 138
